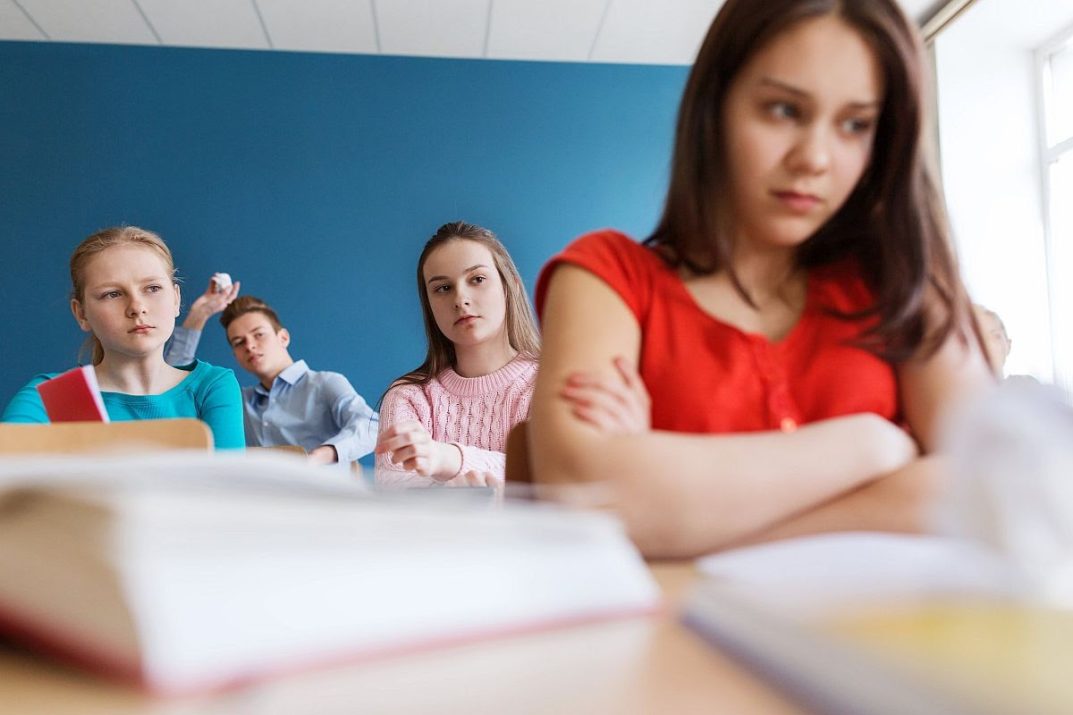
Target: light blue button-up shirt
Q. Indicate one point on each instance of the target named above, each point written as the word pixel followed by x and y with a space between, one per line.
pixel 310 409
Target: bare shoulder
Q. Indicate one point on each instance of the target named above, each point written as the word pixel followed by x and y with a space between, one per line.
pixel 586 325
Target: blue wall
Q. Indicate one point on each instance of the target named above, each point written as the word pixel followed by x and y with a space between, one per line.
pixel 312 178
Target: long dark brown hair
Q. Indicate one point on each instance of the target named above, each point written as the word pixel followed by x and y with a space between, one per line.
pixel 521 327
pixel 893 222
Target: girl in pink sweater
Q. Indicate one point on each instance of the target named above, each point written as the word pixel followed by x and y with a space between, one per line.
pixel 447 421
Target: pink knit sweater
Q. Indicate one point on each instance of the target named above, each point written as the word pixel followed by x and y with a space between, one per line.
pixel 476 413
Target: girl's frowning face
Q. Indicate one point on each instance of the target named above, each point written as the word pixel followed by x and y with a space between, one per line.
pixel 130 301
pixel 800 120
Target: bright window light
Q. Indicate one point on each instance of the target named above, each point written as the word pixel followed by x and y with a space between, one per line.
pixel 1057 82
pixel 1059 91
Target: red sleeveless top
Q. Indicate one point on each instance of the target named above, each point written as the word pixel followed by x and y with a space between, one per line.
pixel 706 376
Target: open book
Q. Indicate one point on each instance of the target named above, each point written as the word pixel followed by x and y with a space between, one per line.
pixel 73 396
pixel 192 572
pixel 880 624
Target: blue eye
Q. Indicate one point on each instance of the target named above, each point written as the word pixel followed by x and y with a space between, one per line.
pixel 154 288
pixel 110 294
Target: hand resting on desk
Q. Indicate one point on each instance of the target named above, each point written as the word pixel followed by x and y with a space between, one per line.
pixel 410 445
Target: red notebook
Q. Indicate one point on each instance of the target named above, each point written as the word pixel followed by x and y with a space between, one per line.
pixel 73 396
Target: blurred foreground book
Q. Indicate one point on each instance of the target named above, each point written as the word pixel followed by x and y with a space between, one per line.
pixel 879 624
pixel 190 572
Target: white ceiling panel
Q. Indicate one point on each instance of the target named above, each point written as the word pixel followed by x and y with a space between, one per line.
pixel 14 25
pixel 668 32
pixel 440 28
pixel 206 23
pixel 90 20
pixel 320 25
pixel 634 31
pixel 560 30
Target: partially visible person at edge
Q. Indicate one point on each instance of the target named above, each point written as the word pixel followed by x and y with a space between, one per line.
pixel 446 422
pixel 998 344
pixel 774 359
pixel 996 340
pixel 124 293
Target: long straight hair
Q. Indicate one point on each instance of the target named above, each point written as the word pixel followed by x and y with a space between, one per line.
pixel 893 223
pixel 96 244
pixel 522 333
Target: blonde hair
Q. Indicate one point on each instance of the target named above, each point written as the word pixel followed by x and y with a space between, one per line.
pixel 522 333
pixel 97 244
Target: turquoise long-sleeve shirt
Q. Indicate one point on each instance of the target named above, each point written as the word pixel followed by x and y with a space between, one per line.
pixel 209 393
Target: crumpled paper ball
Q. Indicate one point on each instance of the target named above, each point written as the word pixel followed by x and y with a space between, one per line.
pixel 222 281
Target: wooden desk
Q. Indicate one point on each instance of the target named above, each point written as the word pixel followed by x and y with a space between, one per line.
pixel 638 666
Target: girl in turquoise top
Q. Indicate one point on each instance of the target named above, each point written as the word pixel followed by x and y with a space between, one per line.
pixel 124 294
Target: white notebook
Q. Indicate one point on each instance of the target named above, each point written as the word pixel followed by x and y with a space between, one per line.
pixel 188 572
pixel 887 624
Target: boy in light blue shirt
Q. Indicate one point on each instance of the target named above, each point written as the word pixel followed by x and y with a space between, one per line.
pixel 290 404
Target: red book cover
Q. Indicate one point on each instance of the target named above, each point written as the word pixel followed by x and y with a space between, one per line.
pixel 73 397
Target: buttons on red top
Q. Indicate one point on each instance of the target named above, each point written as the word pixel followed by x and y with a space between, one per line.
pixel 782 409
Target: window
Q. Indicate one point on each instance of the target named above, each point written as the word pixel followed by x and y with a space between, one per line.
pixel 1055 62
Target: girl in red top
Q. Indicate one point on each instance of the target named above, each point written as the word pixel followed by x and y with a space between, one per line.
pixel 747 373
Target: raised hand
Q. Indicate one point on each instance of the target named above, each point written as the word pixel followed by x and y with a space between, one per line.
pixel 209 303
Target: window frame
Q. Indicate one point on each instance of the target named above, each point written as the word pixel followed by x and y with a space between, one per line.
pixel 1048 155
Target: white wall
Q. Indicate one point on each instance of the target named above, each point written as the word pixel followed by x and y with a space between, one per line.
pixel 990 154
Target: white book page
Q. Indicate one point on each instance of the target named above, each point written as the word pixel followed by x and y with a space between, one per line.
pixel 95 390
pixel 187 470
pixel 830 569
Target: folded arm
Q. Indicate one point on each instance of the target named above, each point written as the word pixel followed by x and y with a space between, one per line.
pixel 931 385
pixel 684 494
